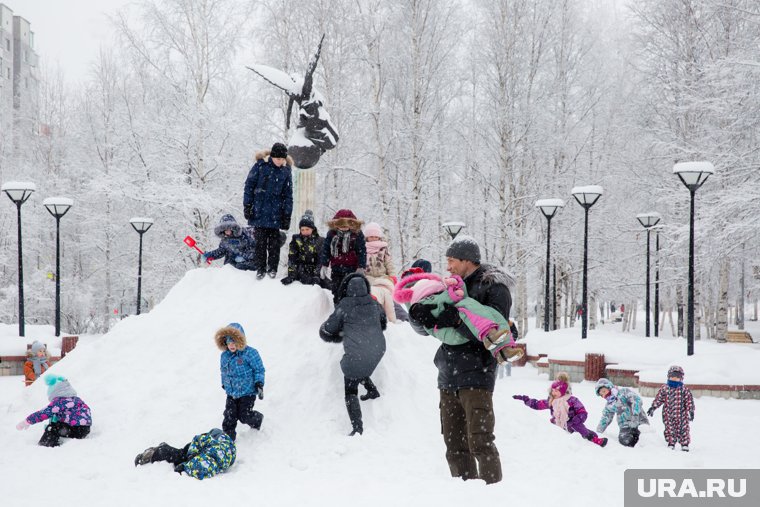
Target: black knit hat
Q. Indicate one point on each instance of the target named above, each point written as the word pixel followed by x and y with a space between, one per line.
pixel 307 220
pixel 464 248
pixel 279 150
pixel 423 264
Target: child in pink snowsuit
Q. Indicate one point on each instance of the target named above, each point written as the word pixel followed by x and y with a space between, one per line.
pixel 677 409
pixel 567 411
pixel 486 323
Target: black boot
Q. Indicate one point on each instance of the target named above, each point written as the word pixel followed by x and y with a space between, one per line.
pixel 372 391
pixel 258 418
pixel 355 414
pixel 146 456
pixel 51 436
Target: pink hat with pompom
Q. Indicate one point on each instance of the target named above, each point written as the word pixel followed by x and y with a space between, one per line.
pixel 417 286
pixel 373 229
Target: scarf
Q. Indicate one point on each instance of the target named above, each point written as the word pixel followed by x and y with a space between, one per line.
pixel 38 362
pixel 674 383
pixel 340 243
pixel 561 411
pixel 373 247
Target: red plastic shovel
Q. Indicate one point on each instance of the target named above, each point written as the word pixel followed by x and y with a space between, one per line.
pixel 189 241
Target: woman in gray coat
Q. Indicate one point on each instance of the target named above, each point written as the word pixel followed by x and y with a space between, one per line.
pixel 358 321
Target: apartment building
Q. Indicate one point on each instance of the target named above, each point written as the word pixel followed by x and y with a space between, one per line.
pixel 19 73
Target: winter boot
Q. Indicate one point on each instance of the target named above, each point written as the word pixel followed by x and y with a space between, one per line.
pixel 685 448
pixel 260 274
pixel 672 447
pixel 146 456
pixel 372 391
pixel 355 414
pixel 272 274
pixel 496 337
pixel 258 418
pixel 601 442
pixel 504 353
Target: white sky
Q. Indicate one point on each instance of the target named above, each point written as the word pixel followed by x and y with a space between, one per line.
pixel 68 32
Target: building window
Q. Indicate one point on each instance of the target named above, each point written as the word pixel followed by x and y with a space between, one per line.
pixel 8 72
pixel 7 44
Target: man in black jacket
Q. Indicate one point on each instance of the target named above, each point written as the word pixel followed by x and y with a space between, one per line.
pixel 467 373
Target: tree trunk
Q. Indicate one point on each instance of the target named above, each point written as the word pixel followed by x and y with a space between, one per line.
pixel 722 316
pixel 635 307
pixel 680 309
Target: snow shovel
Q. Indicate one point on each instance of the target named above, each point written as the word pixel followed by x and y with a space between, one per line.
pixel 189 241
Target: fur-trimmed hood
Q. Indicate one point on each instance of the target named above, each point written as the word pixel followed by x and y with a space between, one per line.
pixel 227 222
pixel 229 330
pixel 264 155
pixel 496 274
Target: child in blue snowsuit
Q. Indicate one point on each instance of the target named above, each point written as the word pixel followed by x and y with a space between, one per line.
pixel 242 378
pixel 205 456
pixel 237 245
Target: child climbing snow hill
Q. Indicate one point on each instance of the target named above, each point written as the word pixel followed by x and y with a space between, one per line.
pixel 677 405
pixel 566 410
pixel 427 293
pixel 237 246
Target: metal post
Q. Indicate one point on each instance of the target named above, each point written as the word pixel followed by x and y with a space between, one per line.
pixel 20 275
pixel 690 318
pixel 657 284
pixel 554 298
pixel 584 304
pixel 139 275
pixel 647 298
pixel 57 276
pixel 548 256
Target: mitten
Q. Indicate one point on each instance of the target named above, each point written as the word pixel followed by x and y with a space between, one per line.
pixel 205 257
pixel 179 468
pixel 23 425
pixel 325 272
pixel 239 258
pixel 449 316
pixel 260 390
pixel 521 397
pixel 513 330
pixel 248 211
pixel 285 223
pixel 691 416
pixel 650 412
pixel 286 281
pixel 423 315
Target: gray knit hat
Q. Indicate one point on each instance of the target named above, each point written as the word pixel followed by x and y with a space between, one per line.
pixel 464 248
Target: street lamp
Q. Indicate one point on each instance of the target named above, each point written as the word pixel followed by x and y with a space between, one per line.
pixel 586 197
pixel 19 192
pixel 549 207
pixel 648 221
pixel 453 228
pixel 141 225
pixel 693 175
pixel 58 206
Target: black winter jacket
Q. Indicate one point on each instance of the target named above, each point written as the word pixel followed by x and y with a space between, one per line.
pixel 358 322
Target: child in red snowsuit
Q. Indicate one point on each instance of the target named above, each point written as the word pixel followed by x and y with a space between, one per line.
pixel 677 409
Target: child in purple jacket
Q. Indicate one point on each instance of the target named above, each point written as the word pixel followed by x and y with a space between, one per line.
pixel 69 416
pixel 567 411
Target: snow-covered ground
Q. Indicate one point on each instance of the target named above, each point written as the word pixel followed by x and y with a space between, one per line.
pixel 155 378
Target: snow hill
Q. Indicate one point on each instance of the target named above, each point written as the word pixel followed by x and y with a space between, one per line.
pixel 155 378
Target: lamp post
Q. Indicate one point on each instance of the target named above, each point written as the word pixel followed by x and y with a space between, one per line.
pixel 693 175
pixel 141 225
pixel 648 220
pixel 586 197
pixel 657 282
pixel 453 228
pixel 58 206
pixel 19 192
pixel 549 208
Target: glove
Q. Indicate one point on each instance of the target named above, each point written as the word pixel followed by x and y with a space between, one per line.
pixel 239 258
pixel 179 468
pixel 513 330
pixel 449 316
pixel 423 314
pixel 286 281
pixel 260 390
pixel 23 425
pixel 521 397
pixel 325 273
pixel 691 416
pixel 285 223
pixel 248 211
pixel 650 412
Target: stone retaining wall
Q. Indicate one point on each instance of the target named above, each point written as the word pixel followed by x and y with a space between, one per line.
pixel 738 391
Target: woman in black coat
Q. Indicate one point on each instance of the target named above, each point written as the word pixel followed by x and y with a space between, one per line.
pixel 358 322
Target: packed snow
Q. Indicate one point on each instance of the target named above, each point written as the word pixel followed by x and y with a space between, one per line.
pixel 155 378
